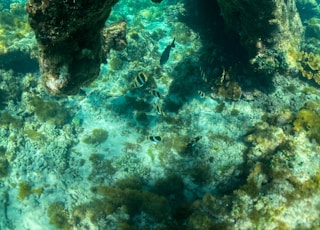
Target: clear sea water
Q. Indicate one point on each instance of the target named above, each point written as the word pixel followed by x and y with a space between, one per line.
pixel 209 141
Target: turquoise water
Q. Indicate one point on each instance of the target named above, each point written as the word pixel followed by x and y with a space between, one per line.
pixel 223 135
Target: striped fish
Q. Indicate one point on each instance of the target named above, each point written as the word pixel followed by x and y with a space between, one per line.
pixel 154 139
pixel 155 93
pixel 140 79
pixel 201 94
pixel 159 109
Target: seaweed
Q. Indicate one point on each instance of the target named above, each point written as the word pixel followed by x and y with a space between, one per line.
pixel 8 120
pixel 4 167
pixel 26 190
pixel 102 169
pixel 308 120
pixel 135 201
pixel 34 135
pixel 50 111
pixel 97 136
pixel 58 216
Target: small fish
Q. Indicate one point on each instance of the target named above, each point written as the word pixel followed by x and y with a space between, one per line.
pixel 154 139
pixel 193 141
pixel 223 76
pixel 159 109
pixel 166 53
pixel 140 79
pixel 203 74
pixel 201 94
pixel 155 93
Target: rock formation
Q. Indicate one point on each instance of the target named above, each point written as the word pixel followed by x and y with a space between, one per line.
pixel 267 30
pixel 71 42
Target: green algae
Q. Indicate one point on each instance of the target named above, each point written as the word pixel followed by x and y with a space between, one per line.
pixel 97 136
pixel 116 63
pixel 50 111
pixel 34 135
pixel 7 120
pixel 14 26
pixel 131 197
pixel 58 216
pixel 200 174
pixel 131 182
pixel 234 112
pixel 129 200
pixel 310 90
pixel 171 185
pixel 26 190
pixel 142 118
pixel 102 169
pixel 4 167
pixel 219 108
pixel 308 120
pixel 151 154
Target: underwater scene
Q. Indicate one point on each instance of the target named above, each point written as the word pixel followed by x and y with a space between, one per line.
pixel 150 114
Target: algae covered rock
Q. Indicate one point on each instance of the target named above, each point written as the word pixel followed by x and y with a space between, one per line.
pixel 70 41
pixel 265 29
pixel 17 44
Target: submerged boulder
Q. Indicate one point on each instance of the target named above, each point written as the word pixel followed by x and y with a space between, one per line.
pixel 267 30
pixel 71 42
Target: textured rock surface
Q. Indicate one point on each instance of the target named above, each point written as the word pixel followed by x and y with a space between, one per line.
pixel 266 29
pixel 70 41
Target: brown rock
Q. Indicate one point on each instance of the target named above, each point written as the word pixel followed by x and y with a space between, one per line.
pixel 70 41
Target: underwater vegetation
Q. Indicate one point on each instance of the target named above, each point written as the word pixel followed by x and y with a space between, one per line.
pixel 308 65
pixel 307 58
pixel 193 171
pixel 49 111
pixel 14 27
pixel 8 120
pixel 18 48
pixel 308 120
pixel 26 190
pixel 129 202
pixel 58 215
pixel 270 166
pixel 102 169
pixel 96 137
pixel 4 167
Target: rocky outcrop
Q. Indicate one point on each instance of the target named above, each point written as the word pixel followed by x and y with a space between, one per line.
pixel 70 38
pixel 267 29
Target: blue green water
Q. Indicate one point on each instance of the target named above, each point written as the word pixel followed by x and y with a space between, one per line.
pixel 214 138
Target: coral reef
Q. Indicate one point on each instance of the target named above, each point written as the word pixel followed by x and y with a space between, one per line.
pixel 232 157
pixel 114 36
pixel 70 41
pixel 271 167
